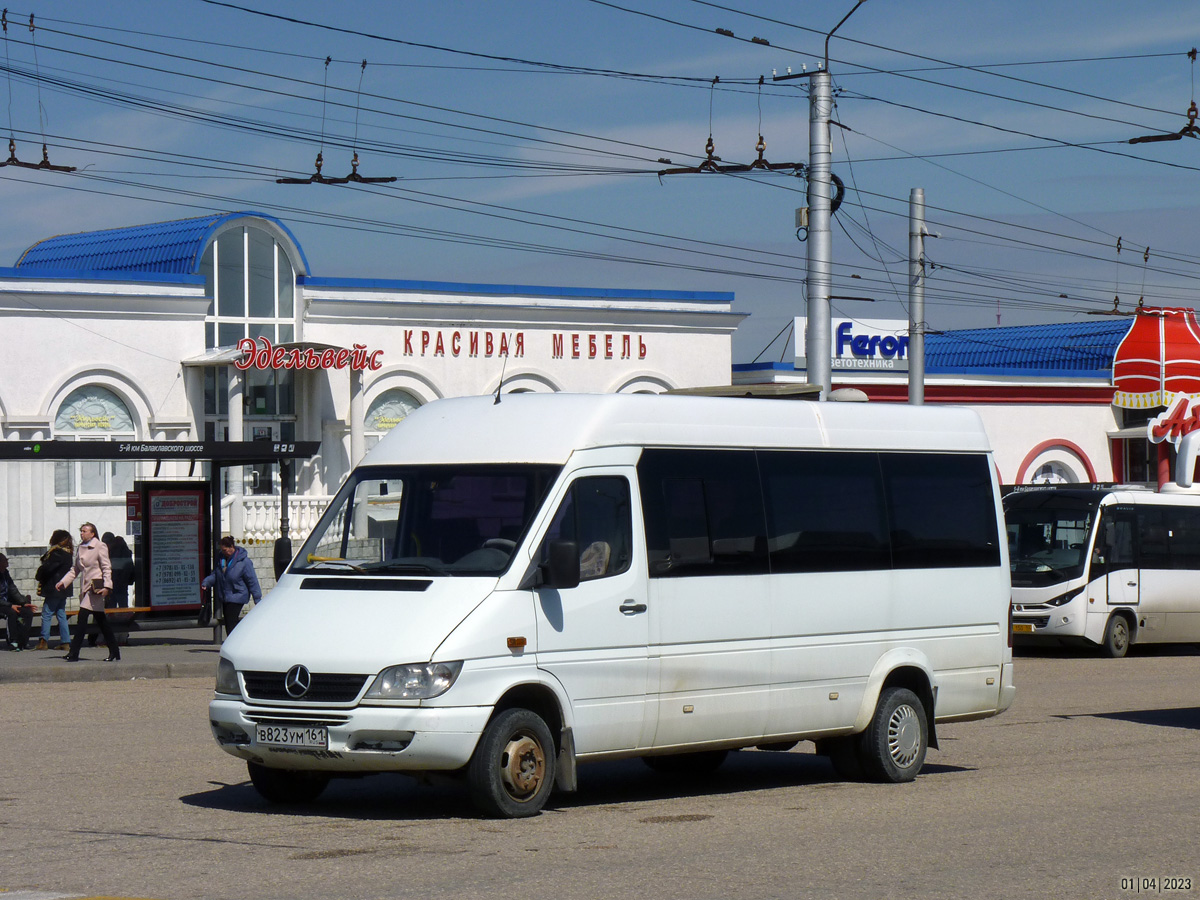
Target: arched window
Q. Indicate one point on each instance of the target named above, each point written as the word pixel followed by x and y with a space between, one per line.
pixel 93 413
pixel 1053 472
pixel 386 412
pixel 251 283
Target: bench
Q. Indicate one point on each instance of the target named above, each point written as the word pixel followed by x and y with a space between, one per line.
pixel 122 619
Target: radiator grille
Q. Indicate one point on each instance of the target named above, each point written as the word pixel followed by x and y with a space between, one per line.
pixel 325 687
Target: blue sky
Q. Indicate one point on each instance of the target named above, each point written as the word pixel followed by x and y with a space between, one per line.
pixel 526 137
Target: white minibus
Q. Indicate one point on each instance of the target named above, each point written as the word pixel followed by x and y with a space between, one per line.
pixel 1105 566
pixel 507 587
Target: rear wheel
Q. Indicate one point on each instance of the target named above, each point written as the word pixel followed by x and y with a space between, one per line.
pixel 285 785
pixel 1116 636
pixel 894 744
pixel 687 765
pixel 511 773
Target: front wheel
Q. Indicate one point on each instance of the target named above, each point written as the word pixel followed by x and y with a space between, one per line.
pixel 894 744
pixel 511 773
pixel 285 785
pixel 1116 637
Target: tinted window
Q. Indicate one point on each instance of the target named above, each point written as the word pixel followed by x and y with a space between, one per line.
pixel 595 514
pixel 941 510
pixel 1154 551
pixel 704 512
pixel 1169 537
pixel 1183 532
pixel 825 511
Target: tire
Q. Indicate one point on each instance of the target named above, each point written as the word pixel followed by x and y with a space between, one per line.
pixel 286 785
pixel 843 753
pixel 511 773
pixel 687 765
pixel 893 747
pixel 1117 636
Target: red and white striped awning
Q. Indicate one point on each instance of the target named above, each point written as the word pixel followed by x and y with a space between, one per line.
pixel 1157 359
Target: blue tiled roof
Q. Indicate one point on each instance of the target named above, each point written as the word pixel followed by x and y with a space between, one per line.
pixel 1072 349
pixel 170 248
pixel 1067 348
pixel 525 290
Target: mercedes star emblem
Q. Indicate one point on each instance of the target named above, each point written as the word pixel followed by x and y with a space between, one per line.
pixel 297 681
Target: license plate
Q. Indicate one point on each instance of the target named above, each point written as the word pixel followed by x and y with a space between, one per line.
pixel 311 736
pixel 1022 628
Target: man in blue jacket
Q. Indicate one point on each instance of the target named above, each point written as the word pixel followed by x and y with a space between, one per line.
pixel 236 581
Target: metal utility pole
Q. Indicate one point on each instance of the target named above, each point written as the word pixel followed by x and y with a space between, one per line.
pixel 818 343
pixel 916 296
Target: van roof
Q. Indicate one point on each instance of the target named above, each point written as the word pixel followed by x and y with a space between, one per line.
pixel 548 428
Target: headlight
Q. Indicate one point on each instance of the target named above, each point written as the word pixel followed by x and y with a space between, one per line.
pixel 227 680
pixel 418 681
pixel 1064 599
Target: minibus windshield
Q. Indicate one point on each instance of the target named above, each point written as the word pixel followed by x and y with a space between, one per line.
pixel 1048 537
pixel 427 520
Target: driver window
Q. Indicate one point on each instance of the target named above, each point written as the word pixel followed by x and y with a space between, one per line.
pixel 1115 545
pixel 595 514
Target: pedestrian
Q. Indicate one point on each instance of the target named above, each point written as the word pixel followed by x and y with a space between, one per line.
pixel 91 561
pixel 56 562
pixel 17 608
pixel 235 579
pixel 121 558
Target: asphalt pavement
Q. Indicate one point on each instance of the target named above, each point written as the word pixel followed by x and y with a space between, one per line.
pixel 168 653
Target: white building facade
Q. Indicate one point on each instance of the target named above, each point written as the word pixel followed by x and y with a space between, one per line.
pixel 215 329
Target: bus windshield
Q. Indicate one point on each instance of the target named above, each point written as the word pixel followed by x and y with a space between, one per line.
pixel 427 520
pixel 1048 536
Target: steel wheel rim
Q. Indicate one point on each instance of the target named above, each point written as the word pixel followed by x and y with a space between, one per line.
pixel 1120 634
pixel 904 736
pixel 522 766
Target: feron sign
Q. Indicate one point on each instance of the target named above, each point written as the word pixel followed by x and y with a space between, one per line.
pixel 861 344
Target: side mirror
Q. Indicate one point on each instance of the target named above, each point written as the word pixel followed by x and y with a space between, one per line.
pixel 561 568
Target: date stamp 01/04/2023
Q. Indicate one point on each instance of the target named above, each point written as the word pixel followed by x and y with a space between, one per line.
pixel 1156 884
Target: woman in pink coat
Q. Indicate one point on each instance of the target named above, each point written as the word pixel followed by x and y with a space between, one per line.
pixel 91 562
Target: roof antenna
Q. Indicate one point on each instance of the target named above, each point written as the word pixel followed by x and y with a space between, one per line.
pixel 503 366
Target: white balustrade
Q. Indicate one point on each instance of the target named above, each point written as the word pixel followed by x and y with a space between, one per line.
pixel 261 516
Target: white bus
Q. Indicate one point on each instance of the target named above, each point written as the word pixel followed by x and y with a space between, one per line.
pixel 1106 566
pixel 504 590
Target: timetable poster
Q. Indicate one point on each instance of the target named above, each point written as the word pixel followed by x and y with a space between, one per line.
pixel 176 526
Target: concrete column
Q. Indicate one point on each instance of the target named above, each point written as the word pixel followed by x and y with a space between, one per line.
pixel 234 475
pixel 357 416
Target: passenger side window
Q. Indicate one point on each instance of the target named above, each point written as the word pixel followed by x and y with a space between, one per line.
pixel 704 512
pixel 1183 534
pixel 825 511
pixel 1154 547
pixel 941 510
pixel 596 515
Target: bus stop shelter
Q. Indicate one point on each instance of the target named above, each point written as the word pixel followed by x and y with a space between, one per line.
pixel 190 508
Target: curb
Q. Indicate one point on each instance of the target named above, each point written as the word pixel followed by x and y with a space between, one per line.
pixel 82 672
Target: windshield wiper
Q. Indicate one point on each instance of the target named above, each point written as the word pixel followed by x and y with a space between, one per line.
pixel 335 564
pixel 398 566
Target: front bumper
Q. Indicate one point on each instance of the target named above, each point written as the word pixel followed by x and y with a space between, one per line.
pixel 362 739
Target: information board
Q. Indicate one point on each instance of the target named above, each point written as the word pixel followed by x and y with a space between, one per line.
pixel 175 532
